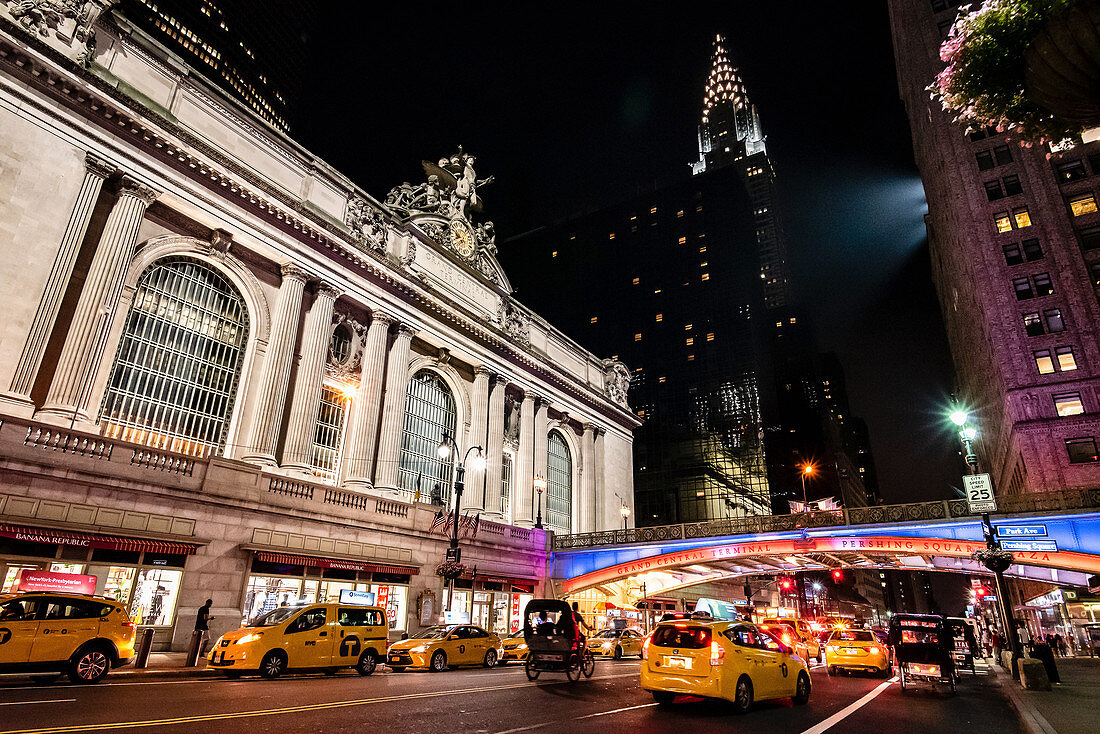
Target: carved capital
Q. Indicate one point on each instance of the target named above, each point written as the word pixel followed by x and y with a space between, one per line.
pixel 589 428
pixel 501 381
pixel 97 166
pixel 382 319
pixel 531 396
pixel 404 330
pixel 482 371
pixel 138 190
pixel 292 271
pixel 328 290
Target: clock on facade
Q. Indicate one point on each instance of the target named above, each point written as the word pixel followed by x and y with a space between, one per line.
pixel 462 238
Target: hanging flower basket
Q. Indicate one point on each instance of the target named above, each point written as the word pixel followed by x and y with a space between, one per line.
pixel 996 560
pixel 450 570
pixel 987 53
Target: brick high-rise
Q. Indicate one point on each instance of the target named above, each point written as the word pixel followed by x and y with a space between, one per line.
pixel 1014 235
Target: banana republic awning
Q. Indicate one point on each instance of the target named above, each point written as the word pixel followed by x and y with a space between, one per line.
pixel 337 563
pixel 94 540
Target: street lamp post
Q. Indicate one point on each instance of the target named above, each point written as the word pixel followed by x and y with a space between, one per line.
pixel 540 487
pixel 806 470
pixel 967 434
pixel 625 512
pixel 446 447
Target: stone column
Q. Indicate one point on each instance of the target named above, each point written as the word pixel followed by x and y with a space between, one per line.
pixel 96 172
pixel 263 435
pixel 306 400
pixel 475 496
pixel 538 467
pixel 600 522
pixel 393 411
pixel 494 447
pixel 523 500
pixel 82 356
pixel 586 514
pixel 362 435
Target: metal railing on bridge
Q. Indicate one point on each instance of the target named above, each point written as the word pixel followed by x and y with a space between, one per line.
pixel 1067 499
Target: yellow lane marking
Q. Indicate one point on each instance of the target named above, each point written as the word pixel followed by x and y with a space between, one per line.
pixel 277 712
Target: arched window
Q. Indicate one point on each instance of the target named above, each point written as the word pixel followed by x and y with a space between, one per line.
pixel 559 484
pixel 429 413
pixel 175 375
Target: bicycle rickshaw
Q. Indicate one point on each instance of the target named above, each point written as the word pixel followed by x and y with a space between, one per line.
pixel 964 644
pixel 923 647
pixel 553 641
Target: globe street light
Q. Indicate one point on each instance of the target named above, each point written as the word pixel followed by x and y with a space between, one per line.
pixel 446 447
pixel 540 487
pixel 625 512
pixel 807 470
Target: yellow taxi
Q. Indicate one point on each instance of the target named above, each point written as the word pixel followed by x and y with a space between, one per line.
pixel 787 634
pixel 611 643
pixel 850 649
pixel 445 646
pixel 734 661
pixel 513 647
pixel 324 637
pixel 84 636
pixel 805 631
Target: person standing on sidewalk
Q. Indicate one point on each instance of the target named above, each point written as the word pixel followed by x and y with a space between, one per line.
pixel 202 624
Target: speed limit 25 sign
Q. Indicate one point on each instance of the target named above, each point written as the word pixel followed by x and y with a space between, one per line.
pixel 979 493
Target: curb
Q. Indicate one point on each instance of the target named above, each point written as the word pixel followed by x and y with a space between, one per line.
pixel 1033 721
pixel 161 673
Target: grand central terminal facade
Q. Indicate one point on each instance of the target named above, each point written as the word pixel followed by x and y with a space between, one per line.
pixel 225 370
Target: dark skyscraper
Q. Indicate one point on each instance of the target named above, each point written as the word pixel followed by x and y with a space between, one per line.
pixel 255 51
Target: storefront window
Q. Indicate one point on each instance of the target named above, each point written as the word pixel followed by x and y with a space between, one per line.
pixel 67 568
pixel 113 581
pixel 502 610
pixel 154 602
pixel 395 600
pixel 459 612
pixel 330 590
pixel 11 578
pixel 265 593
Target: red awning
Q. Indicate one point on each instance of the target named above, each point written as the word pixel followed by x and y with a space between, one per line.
pixel 89 540
pixel 337 563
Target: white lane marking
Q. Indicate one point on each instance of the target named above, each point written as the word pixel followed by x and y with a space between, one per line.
pixel 615 711
pixel 850 709
pixel 51 700
pixel 576 718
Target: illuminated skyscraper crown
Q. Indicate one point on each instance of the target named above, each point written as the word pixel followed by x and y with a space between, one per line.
pixel 730 128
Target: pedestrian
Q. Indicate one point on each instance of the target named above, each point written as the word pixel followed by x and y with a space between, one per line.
pixel 1060 643
pixel 202 623
pixel 998 644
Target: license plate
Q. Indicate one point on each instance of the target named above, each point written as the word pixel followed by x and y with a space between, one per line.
pixel 851 651
pixel 549 658
pixel 676 662
pixel 219 656
pixel 395 659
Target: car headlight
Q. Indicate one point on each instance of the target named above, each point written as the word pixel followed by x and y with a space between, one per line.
pixel 419 648
pixel 251 637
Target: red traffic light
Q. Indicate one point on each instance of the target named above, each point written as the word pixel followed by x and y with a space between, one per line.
pixel 980 592
pixel 785 584
pixel 838 575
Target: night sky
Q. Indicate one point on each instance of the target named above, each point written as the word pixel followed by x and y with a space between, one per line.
pixel 577 107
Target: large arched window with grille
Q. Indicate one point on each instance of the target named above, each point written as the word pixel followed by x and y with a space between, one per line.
pixel 429 413
pixel 559 484
pixel 175 375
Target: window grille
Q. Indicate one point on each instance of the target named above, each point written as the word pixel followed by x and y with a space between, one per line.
pixel 175 375
pixel 429 413
pixel 506 486
pixel 328 434
pixel 559 484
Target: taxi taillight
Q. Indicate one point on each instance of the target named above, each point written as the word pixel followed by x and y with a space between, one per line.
pixel 874 650
pixel 716 654
pixel 645 649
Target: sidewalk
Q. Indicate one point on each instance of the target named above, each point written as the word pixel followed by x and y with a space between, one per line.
pixel 1070 708
pixel 164 665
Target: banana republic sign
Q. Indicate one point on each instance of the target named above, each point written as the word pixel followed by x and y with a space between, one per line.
pixel 891 545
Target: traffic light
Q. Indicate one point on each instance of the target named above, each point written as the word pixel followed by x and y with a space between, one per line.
pixel 838 575
pixel 980 593
pixel 786 583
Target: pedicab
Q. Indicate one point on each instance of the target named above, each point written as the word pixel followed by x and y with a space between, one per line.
pixel 554 643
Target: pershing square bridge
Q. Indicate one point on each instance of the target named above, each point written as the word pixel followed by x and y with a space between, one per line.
pixel 1055 538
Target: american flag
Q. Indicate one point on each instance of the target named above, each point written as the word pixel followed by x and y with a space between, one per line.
pixel 437 522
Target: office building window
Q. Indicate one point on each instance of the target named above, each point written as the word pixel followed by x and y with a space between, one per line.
pixel 689 341
pixel 594 320
pixel 1044 362
pixel 1082 450
pixel 993 190
pixel 985 160
pixel 1032 250
pixel 1012 185
pixel 1094 271
pixel 1068 403
pixel 637 337
pixel 682 241
pixel 1002 222
pixel 1081 205
pixel 1089 238
pixel 1022 217
pixel 710 336
pixel 660 317
pixel 175 374
pixel 1033 325
pixel 1071 170
pixel 691 358
pixel 637 281
pixel 1066 361
pixel 1053 319
pixel 704 276
pixel 1002 154
pixel 1013 255
pixel 1023 290
pixel 1043 285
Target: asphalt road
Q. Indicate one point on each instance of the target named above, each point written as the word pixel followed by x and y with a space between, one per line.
pixel 498 701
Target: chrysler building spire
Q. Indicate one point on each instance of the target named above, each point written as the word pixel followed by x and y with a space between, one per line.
pixel 730 127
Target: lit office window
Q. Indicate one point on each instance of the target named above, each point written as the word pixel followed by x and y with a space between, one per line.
pixel 1044 362
pixel 429 413
pixel 1082 450
pixel 1081 205
pixel 1022 217
pixel 175 375
pixel 1067 404
pixel 1066 361
pixel 1002 221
